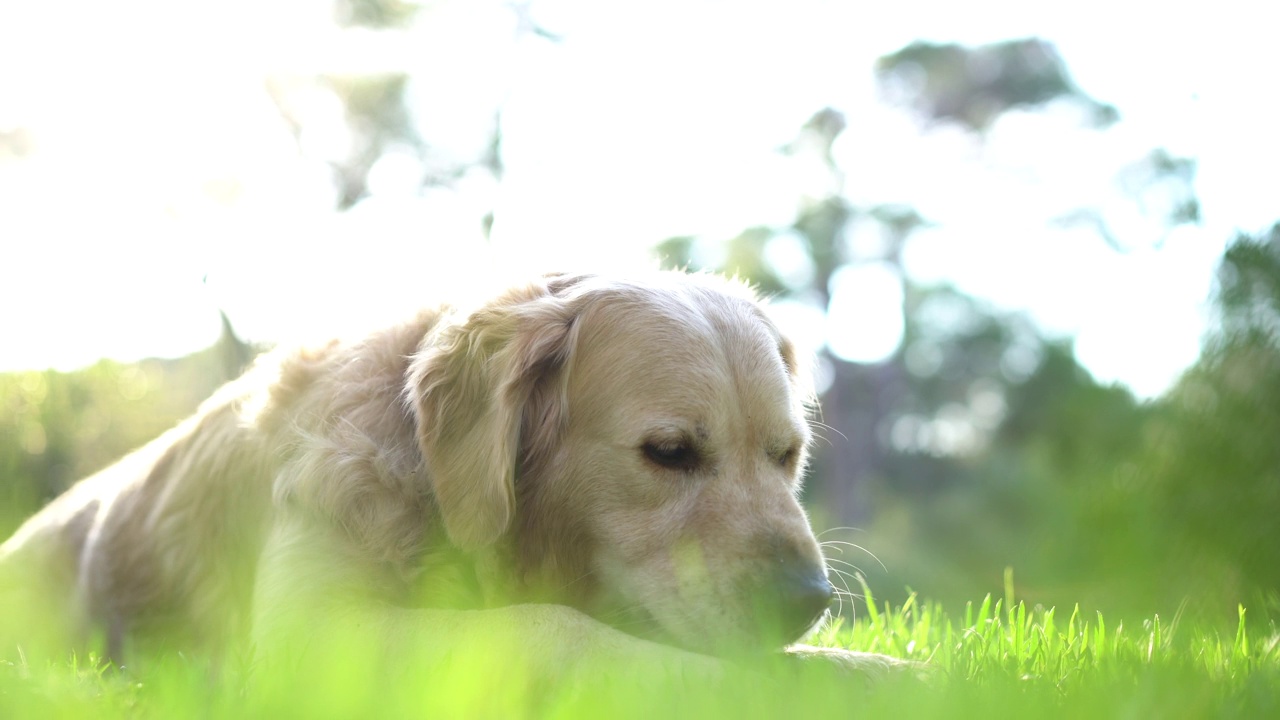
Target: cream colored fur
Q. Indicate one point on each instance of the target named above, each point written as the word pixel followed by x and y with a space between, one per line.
pixel 465 474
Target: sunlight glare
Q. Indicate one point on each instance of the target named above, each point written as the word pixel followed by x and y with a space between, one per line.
pixel 864 318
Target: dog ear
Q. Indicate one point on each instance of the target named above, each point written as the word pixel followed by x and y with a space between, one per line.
pixel 799 371
pixel 471 384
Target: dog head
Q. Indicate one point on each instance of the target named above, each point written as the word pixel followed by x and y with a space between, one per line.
pixel 639 445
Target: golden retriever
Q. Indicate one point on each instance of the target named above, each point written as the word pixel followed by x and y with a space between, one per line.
pixel 592 468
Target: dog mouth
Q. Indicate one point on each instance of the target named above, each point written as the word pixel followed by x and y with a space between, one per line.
pixel 749 636
pixel 739 616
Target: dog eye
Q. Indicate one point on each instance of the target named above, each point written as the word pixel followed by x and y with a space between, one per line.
pixel 787 458
pixel 671 455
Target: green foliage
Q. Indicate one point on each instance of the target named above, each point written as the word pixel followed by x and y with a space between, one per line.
pixel 1248 293
pixel 973 86
pixel 1213 464
pixel 1160 185
pixel 56 427
pixel 1167 506
pixel 375 13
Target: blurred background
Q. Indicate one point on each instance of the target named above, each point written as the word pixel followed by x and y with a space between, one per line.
pixel 1034 250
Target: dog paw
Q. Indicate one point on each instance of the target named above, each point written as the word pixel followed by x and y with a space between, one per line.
pixel 870 667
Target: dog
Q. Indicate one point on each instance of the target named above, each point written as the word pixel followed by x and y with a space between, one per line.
pixel 592 468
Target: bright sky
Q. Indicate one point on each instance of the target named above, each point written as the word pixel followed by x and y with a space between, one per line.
pixel 163 183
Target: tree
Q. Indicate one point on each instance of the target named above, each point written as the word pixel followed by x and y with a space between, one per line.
pixel 1214 467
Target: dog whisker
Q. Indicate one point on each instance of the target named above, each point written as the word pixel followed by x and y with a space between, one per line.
pixel 825 426
pixel 841 528
pixel 847 564
pixel 841 587
pixel 840 545
pixel 842 576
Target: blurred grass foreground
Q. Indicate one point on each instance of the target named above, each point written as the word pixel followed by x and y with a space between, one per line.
pixel 998 657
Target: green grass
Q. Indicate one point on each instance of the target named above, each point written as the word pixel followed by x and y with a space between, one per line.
pixel 998 658
pixel 1003 655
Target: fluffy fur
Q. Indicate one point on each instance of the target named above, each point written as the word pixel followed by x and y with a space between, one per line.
pixel 577 457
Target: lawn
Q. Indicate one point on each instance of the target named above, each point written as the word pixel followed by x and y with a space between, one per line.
pixel 998 658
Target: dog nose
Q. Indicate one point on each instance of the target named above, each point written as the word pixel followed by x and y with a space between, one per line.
pixel 798 590
pixel 806 595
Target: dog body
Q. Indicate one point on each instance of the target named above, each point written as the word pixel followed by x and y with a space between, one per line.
pixel 575 458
